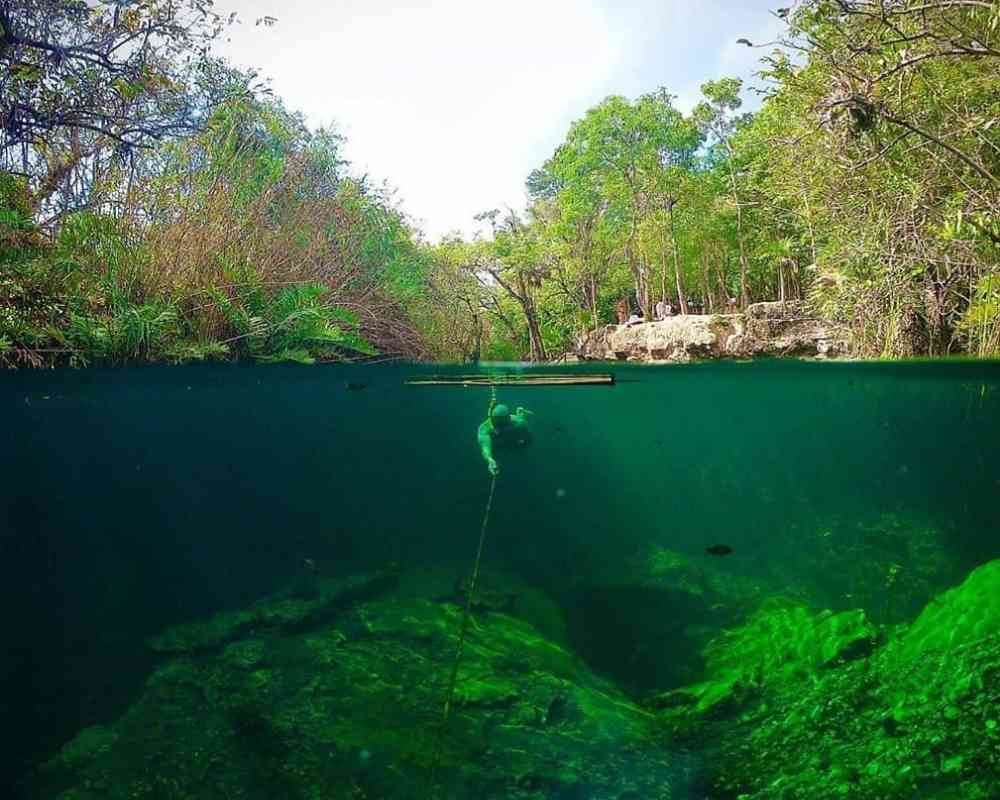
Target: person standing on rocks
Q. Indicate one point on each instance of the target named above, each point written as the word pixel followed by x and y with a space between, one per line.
pixel 621 310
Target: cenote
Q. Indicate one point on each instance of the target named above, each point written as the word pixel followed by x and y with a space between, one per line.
pixel 762 580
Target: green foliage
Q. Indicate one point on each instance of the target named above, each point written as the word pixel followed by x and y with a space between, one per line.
pixel 186 351
pixel 292 324
pixel 980 323
pixel 15 201
pixel 129 72
pixel 245 240
pixel 128 333
pixel 866 183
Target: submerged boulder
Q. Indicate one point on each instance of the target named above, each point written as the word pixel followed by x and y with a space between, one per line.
pixel 350 705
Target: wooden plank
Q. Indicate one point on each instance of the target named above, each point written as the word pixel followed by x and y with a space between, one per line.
pixel 512 380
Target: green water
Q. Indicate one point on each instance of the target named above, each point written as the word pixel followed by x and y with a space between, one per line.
pixel 136 500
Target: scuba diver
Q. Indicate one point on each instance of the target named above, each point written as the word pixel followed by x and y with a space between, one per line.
pixel 504 431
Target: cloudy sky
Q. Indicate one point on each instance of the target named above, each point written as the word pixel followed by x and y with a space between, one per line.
pixel 456 101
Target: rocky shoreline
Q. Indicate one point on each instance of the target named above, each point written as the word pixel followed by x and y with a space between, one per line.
pixel 781 329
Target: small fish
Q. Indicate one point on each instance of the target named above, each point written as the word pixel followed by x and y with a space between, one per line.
pixel 356 386
pixel 309 564
pixel 719 550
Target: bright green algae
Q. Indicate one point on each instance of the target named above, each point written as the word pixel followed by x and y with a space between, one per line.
pixel 812 705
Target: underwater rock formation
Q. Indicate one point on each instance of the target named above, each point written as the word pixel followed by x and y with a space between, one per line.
pixel 899 559
pixel 765 329
pixel 803 705
pixel 304 604
pixel 959 619
pixel 349 705
pixel 782 643
pixel 644 619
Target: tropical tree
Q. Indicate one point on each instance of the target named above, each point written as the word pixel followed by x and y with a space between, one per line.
pixel 894 118
pixel 87 85
pixel 715 116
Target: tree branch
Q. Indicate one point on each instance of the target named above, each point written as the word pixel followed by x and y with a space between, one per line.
pixel 951 149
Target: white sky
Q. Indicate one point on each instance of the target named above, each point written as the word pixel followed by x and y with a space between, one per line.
pixel 454 102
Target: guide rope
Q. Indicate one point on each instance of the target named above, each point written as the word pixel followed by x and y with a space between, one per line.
pixel 463 631
pixel 466 615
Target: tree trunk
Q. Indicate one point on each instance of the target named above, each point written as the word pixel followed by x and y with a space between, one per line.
pixel 709 294
pixel 744 266
pixel 535 340
pixel 639 270
pixel 641 290
pixel 809 222
pixel 663 272
pixel 593 300
pixel 536 346
pixel 646 301
pixel 681 300
pixel 477 351
pixel 721 272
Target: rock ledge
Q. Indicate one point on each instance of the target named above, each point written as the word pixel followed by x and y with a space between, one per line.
pixel 764 330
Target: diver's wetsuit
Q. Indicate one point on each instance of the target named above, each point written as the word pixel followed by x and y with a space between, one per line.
pixel 503 431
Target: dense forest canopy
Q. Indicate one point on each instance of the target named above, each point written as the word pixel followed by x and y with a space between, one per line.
pixel 156 203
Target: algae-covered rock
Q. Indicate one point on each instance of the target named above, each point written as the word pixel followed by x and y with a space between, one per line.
pixel 785 641
pixel 87 746
pixel 301 606
pixel 351 706
pixel 956 619
pixel 781 645
pixel 806 716
pixel 889 563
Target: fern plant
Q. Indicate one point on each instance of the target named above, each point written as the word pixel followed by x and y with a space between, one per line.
pixel 142 331
pixel 292 324
pixel 186 351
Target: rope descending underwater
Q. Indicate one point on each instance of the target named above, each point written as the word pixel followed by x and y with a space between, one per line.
pixel 466 615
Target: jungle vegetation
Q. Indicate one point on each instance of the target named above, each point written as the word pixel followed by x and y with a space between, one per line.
pixel 156 203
